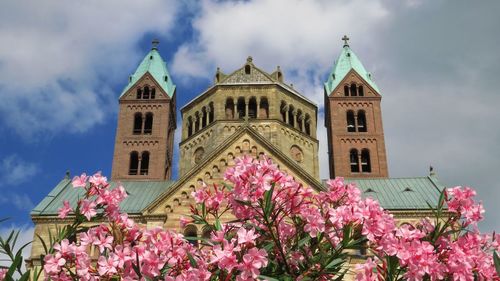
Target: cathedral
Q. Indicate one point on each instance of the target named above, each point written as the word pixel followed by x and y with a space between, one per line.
pixel 248 111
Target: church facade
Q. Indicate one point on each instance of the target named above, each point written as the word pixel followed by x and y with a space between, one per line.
pixel 246 112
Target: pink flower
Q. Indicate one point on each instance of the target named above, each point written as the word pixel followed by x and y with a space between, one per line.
pixel 225 258
pixel 253 261
pixel 87 208
pixel 183 221
pixel 107 266
pixel 245 236
pixel 314 221
pixel 53 263
pixel 3 272
pixel 80 181
pixel 64 210
pixel 366 271
pixel 98 180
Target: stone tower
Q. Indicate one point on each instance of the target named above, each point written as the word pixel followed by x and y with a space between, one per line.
pixel 146 123
pixel 250 98
pixel 353 119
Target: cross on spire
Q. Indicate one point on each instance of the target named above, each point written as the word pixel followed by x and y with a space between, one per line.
pixel 345 38
pixel 155 43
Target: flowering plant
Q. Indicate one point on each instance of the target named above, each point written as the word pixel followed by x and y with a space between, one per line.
pixel 262 224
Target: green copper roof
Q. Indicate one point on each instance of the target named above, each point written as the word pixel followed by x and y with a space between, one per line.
pixel 140 195
pixel 401 193
pixel 347 61
pixel 154 64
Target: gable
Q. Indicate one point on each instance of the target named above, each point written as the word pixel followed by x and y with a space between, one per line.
pixel 246 75
pixel 211 170
pixel 353 76
pixel 146 80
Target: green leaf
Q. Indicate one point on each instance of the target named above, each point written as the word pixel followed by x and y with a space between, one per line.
pixel 229 187
pixel 192 261
pixel 496 259
pixel 304 240
pixel 335 262
pixel 25 276
pixel 15 263
pixel 263 277
pixel 268 204
pixel 43 243
pixel 218 225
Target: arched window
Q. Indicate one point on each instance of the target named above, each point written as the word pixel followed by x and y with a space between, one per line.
pixel 206 232
pixel 291 117
pixel 354 91
pixel 353 160
pixel 351 126
pixel 144 163
pixel 137 123
pixel 139 93
pixel 211 113
pixel 264 108
pixel 361 92
pixel 145 95
pixel 247 69
pixel 190 126
pixel 366 166
pixel 134 163
pixel 204 117
pixel 197 122
pixel 346 90
pixel 191 232
pixel 252 108
pixel 241 108
pixel 283 111
pixel 300 120
pixel 307 124
pixel 153 93
pixel 229 108
pixel 148 123
pixel 362 121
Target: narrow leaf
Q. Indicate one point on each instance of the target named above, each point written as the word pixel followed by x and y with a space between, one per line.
pixel 496 259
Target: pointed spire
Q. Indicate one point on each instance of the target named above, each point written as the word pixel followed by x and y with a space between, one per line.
pixel 156 66
pixel 346 61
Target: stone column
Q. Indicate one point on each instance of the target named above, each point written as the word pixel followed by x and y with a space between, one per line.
pixel 286 114
pixel 356 122
pixel 296 121
pixel 246 108
pixel 258 107
pixel 235 111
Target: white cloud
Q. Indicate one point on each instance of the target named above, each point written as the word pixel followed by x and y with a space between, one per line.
pixel 15 170
pixel 297 34
pixel 58 60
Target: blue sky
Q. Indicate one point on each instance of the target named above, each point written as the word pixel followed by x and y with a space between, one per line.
pixel 64 64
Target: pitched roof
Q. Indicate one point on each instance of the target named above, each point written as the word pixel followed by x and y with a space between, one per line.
pixel 140 195
pixel 156 66
pixel 346 61
pixel 256 76
pixel 411 193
